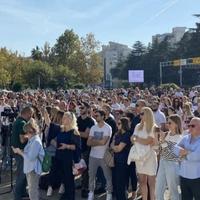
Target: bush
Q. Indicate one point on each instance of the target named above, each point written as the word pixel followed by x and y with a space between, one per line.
pixel 79 86
pixel 17 87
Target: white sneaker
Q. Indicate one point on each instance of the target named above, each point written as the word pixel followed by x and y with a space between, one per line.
pixel 109 196
pixel 91 196
pixel 49 191
pixel 61 189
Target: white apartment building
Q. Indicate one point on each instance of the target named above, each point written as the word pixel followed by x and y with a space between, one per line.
pixel 173 38
pixel 111 54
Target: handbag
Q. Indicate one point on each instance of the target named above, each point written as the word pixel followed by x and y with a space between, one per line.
pixel 109 157
pixel 46 163
pixel 79 168
pixel 136 154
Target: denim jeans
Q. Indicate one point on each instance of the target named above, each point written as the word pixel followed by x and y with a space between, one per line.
pixel 20 187
pixel 167 177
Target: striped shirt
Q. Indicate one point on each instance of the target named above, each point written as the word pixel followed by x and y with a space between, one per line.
pixel 168 147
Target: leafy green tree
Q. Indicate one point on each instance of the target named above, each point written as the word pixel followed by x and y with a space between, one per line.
pixel 4 78
pixel 36 53
pixel 67 45
pixel 63 77
pixel 139 49
pixel 37 74
pixel 92 71
pixel 46 50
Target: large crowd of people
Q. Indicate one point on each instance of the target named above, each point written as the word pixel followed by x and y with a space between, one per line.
pixel 151 136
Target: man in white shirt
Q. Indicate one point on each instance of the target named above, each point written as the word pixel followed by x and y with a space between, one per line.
pixel 159 116
pixel 99 138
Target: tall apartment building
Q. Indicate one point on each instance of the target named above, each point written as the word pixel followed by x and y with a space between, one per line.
pixel 173 38
pixel 111 54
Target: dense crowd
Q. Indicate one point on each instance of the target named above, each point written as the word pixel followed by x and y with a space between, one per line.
pixel 117 141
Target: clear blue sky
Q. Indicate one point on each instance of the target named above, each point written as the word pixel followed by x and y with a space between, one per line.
pixel 27 23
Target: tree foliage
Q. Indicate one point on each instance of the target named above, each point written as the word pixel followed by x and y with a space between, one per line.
pixel 149 58
pixel 71 61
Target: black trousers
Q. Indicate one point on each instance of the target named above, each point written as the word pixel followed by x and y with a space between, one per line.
pixel 55 175
pixel 67 178
pixel 132 176
pixel 85 176
pixel 120 178
pixel 190 188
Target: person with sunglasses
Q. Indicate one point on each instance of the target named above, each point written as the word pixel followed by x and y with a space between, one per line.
pixel 186 123
pixel 121 146
pixel 136 120
pixel 84 122
pixel 168 165
pixel 188 149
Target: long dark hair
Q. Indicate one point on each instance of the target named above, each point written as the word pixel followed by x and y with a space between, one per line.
pixel 178 105
pixel 124 125
pixel 177 120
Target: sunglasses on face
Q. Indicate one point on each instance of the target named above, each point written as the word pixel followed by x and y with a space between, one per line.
pixel 136 105
pixel 191 126
pixel 187 121
pixel 141 114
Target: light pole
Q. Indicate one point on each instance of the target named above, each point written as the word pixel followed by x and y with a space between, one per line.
pixel 39 81
pixel 160 73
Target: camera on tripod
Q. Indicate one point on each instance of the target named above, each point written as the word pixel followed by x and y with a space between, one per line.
pixel 9 114
pixel 7 118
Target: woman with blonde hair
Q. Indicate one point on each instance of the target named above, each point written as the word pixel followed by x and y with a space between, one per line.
pixel 33 155
pixel 168 168
pixel 187 111
pixel 146 164
pixel 68 152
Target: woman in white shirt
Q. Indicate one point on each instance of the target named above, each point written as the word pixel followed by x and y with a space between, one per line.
pixel 168 168
pixel 146 165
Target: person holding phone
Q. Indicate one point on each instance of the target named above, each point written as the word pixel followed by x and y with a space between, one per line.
pixel 33 155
